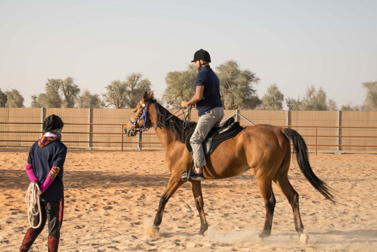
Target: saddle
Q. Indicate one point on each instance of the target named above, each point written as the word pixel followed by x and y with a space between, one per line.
pixel 216 136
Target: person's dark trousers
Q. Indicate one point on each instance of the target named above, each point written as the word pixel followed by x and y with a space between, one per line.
pixel 53 213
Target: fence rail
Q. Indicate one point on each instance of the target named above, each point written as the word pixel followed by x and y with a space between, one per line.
pixel 122 142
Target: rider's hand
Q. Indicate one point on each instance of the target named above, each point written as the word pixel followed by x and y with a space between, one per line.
pixel 184 104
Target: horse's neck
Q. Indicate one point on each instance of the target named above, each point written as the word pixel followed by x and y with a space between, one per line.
pixel 166 137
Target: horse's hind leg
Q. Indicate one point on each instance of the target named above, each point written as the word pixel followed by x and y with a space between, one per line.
pixel 265 188
pixel 197 191
pixel 174 183
pixel 292 197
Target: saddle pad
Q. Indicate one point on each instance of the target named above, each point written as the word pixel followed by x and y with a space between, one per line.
pixel 214 138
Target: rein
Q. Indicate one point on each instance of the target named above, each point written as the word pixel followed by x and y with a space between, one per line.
pixel 185 122
pixel 142 115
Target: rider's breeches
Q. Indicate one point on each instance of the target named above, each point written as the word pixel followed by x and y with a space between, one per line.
pixel 204 126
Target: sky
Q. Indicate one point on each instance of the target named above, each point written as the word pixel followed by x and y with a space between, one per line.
pixel 295 44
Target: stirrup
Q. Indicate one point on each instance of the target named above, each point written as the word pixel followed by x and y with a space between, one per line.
pixel 197 177
pixel 186 175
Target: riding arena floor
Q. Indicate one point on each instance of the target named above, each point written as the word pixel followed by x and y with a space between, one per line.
pixel 111 198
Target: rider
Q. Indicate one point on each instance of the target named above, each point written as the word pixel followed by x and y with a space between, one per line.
pixel 45 166
pixel 207 100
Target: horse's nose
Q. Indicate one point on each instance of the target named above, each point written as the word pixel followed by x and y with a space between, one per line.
pixel 130 132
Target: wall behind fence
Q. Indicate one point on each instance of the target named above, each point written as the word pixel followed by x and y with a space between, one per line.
pixel 121 116
pixel 358 119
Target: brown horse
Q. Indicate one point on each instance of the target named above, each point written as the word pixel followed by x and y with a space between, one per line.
pixel 264 149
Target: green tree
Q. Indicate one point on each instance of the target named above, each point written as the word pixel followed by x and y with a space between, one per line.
pixel 314 100
pixel 14 99
pixel 51 98
pixel 34 102
pixel 87 100
pixel 331 105
pixel 116 94
pixel 180 86
pixel 3 99
pixel 135 88
pixel 126 94
pixel 293 104
pixel 273 99
pixel 349 107
pixel 236 86
pixel 70 91
pixel 371 96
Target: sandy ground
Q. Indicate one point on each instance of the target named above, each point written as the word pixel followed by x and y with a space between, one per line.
pixel 112 196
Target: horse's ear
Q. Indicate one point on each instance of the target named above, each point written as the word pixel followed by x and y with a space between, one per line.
pixel 151 95
pixel 145 97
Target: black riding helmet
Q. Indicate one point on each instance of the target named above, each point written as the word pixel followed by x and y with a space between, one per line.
pixel 52 122
pixel 202 55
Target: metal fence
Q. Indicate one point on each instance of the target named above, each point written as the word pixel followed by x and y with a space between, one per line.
pixel 324 131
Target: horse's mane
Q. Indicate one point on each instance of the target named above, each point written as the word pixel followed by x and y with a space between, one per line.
pixel 167 120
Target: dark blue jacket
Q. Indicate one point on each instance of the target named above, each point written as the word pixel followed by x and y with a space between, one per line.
pixel 42 159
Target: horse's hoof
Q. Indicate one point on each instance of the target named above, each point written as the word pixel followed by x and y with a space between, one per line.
pixel 203 229
pixel 304 238
pixel 201 233
pixel 153 231
pixel 264 234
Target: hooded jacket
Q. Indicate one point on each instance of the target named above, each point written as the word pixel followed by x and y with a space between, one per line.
pixel 47 157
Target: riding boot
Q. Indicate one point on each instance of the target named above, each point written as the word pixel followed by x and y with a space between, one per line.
pixel 29 238
pixel 53 244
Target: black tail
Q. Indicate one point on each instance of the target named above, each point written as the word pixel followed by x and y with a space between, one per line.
pixel 303 162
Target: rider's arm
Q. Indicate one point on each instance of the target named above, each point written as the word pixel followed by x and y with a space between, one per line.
pixel 199 90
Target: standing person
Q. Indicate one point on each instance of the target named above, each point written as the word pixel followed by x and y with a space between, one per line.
pixel 45 166
pixel 207 100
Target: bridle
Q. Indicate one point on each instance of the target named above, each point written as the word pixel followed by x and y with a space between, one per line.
pixel 141 115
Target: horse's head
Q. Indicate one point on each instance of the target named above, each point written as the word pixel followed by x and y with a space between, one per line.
pixel 140 120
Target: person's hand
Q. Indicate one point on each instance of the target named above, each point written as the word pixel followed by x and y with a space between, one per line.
pixel 184 104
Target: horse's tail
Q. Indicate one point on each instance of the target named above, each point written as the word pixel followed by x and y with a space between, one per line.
pixel 303 162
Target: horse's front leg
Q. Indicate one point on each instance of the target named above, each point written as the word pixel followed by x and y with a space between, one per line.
pixel 197 191
pixel 174 183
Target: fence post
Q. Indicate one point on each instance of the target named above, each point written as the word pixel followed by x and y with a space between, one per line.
pixel 338 152
pixel 139 142
pixel 288 118
pixel 90 130
pixel 121 130
pixel 237 115
pixel 316 140
pixel 43 115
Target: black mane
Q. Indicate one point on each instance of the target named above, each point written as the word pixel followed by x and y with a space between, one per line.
pixel 167 120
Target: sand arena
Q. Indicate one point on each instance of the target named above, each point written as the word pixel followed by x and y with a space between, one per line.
pixel 111 197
